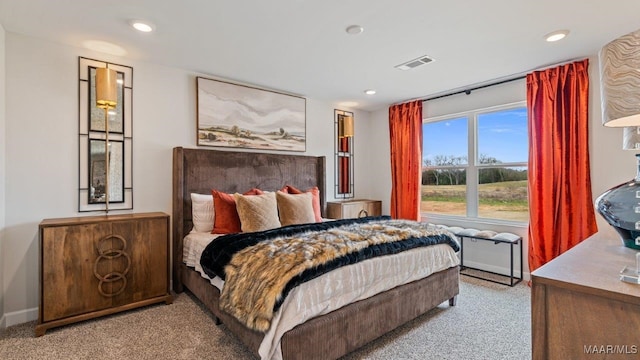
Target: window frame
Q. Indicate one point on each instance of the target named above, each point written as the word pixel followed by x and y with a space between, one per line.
pixel 473 166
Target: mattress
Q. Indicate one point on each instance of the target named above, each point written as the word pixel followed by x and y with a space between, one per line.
pixel 337 288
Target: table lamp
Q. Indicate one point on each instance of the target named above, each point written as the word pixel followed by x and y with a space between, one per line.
pixel 620 90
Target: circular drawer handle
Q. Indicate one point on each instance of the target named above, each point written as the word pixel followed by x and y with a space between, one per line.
pixel 363 213
pixel 107 255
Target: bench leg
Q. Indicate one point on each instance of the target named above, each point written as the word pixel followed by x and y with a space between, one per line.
pixel 461 252
pixel 521 260
pixel 511 279
pixel 452 301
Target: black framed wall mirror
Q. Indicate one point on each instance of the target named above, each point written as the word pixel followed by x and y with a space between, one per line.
pixel 343 140
pixel 105 136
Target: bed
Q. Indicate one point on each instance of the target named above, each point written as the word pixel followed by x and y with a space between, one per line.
pixel 328 336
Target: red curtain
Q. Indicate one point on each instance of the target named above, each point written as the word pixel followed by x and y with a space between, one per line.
pixel 405 131
pixel 560 202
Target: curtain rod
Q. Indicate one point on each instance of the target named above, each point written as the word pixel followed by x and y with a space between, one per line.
pixel 469 90
pixel 499 82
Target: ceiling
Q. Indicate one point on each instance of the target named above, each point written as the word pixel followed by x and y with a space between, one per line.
pixel 301 46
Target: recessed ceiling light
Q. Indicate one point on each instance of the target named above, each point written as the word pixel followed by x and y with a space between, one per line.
pixel 354 29
pixel 142 26
pixel 556 35
pixel 370 92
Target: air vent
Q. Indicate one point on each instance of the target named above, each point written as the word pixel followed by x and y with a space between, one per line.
pixel 414 63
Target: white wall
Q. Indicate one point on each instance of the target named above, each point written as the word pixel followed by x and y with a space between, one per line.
pixel 3 138
pixel 379 159
pixel 610 165
pixel 364 186
pixel 42 147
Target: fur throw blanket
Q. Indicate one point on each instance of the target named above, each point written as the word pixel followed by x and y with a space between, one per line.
pixel 261 268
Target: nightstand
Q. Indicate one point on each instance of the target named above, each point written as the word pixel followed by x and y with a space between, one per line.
pixel 353 208
pixel 99 265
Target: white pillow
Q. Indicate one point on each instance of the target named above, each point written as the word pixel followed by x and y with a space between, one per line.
pixel 202 212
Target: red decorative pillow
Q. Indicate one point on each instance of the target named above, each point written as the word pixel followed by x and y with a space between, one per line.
pixel 317 212
pixel 227 220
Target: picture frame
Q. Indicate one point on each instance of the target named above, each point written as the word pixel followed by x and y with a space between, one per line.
pixel 239 116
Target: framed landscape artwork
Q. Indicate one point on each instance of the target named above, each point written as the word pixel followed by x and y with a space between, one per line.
pixel 231 115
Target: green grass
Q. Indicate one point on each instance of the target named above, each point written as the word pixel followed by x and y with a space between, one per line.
pixel 457 199
pixel 506 194
pixel 511 185
pixel 502 200
pixel 483 201
pixel 513 202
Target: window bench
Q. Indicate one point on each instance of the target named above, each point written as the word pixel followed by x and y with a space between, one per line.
pixel 496 238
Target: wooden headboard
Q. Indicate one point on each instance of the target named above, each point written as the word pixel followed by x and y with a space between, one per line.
pixel 199 171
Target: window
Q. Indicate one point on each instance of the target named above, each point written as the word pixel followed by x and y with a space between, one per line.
pixel 494 184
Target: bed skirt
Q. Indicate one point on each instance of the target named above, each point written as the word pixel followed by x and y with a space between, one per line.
pixel 339 332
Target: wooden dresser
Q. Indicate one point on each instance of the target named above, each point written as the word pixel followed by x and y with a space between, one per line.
pixel 99 265
pixel 579 307
pixel 353 209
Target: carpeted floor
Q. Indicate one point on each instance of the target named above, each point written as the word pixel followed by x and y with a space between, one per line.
pixel 490 321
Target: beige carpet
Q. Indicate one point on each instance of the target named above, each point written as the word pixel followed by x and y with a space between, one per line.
pixel 490 321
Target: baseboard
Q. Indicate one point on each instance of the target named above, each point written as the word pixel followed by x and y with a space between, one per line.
pixel 3 322
pixel 497 269
pixel 19 317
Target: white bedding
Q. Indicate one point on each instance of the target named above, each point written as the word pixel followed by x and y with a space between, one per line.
pixel 337 288
pixel 193 246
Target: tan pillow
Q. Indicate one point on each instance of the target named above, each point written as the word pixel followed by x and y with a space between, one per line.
pixel 257 212
pixel 295 208
pixel 288 189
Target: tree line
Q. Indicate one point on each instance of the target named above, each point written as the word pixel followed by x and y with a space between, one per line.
pixel 458 176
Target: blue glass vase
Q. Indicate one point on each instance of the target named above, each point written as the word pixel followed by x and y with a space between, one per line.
pixel 620 206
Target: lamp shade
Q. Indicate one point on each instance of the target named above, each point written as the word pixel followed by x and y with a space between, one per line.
pixel 345 126
pixel 620 81
pixel 106 88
